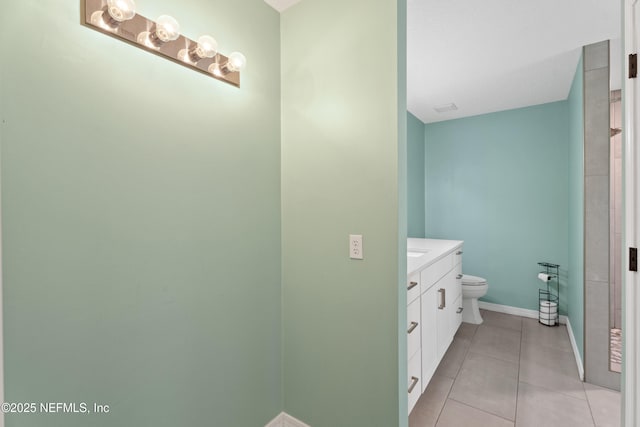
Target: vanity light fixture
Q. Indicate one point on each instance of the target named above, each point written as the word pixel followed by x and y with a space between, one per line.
pixel 118 18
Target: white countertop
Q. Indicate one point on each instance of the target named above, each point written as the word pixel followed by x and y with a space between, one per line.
pixel 429 251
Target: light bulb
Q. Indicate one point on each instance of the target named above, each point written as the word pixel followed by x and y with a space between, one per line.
pixel 121 10
pixel 115 13
pixel 236 62
pixel 207 47
pixel 167 28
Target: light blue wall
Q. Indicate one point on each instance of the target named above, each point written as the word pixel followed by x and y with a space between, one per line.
pixel 415 167
pixel 141 220
pixel 500 183
pixel 576 207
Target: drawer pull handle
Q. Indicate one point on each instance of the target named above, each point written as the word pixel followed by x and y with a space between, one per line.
pixel 459 276
pixel 414 382
pixel 460 310
pixel 459 253
pixel 443 299
pixel 412 285
pixel 414 325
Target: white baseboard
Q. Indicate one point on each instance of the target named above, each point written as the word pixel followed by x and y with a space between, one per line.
pixel 533 314
pixel 516 311
pixel 285 420
pixel 507 309
pixel 576 353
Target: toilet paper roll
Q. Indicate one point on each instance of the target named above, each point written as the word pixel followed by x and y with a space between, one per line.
pixel 548 308
pixel 544 277
pixel 549 322
pixel 548 313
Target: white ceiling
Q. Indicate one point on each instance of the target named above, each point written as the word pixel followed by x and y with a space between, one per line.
pixel 281 5
pixel 495 55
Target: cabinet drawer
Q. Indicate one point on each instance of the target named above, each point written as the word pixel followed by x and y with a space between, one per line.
pixel 457 319
pixel 413 288
pixel 457 256
pixel 456 289
pixel 414 385
pixel 413 328
pixel 434 272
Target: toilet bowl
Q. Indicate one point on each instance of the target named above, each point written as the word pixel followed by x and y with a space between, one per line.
pixel 473 287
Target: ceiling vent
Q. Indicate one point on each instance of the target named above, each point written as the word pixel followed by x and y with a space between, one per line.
pixel 445 108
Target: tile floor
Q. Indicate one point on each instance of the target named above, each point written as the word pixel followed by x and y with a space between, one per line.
pixel 512 371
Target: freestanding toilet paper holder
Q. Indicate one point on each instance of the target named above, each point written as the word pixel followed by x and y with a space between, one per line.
pixel 549 297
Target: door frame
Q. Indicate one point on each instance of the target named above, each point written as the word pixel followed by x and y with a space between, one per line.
pixel 631 327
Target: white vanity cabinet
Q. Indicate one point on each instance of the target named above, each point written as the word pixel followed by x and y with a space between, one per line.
pixel 439 302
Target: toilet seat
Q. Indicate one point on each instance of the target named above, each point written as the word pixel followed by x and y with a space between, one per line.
pixel 469 280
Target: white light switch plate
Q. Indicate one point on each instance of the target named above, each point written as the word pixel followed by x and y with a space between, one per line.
pixel 355 246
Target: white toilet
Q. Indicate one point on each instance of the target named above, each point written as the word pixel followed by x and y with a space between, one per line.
pixel 473 287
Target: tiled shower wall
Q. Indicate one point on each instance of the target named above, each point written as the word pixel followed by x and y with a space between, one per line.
pixel 596 216
pixel 615 214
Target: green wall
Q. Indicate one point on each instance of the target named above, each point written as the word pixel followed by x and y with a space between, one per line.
pixel 415 172
pixel 500 183
pixel 401 108
pixel 141 220
pixel 576 207
pixel 341 174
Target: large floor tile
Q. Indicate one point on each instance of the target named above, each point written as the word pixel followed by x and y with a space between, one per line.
pixel 453 358
pixel 429 406
pixel 488 384
pixel 466 331
pixel 456 414
pixel 551 368
pixel 497 342
pixel 556 336
pixel 605 405
pixel 542 407
pixel 502 320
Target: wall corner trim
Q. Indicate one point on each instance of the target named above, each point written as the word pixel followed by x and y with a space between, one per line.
pixel 285 420
pixel 533 314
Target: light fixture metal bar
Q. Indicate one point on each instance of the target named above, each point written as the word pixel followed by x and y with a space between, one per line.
pixel 128 31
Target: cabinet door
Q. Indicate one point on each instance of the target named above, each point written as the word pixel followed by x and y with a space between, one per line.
pixel 429 334
pixel 445 312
